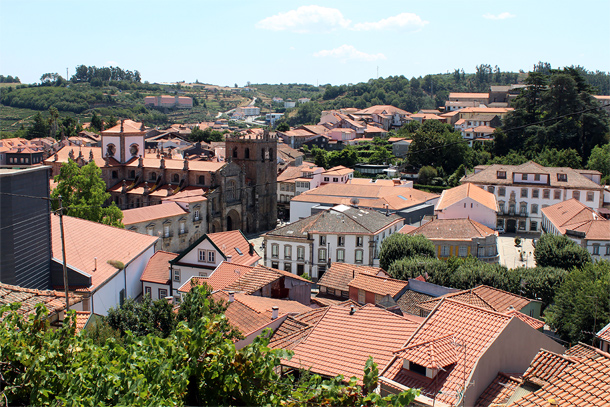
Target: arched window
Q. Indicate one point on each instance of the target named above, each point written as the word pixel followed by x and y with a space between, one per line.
pixel 153 176
pixel 132 174
pixel 114 175
pixel 231 191
pixel 247 153
pixel 235 152
pixel 134 149
pixel 110 150
pixel 523 208
pixel 176 178
pixel 271 154
pixel 202 179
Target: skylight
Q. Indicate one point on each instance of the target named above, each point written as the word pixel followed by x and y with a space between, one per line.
pixel 402 197
pixel 238 251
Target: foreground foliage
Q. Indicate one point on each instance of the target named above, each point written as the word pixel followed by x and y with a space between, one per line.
pixel 195 365
pixel 560 251
pixel 398 246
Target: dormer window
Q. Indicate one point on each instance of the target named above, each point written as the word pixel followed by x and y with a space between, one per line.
pixel 414 367
pixel 562 177
pixel 501 174
pixel 524 177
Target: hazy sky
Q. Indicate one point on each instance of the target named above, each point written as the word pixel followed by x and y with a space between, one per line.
pixel 228 42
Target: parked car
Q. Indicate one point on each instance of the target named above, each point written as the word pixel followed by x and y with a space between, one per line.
pixel 500 230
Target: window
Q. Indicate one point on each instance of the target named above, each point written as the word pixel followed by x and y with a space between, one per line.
pixel 275 250
pixel 300 253
pixel 501 191
pixel 501 174
pixel 534 208
pixel 202 180
pixel 247 153
pixel 335 179
pixel 323 240
pixel 341 241
pixel 524 177
pixel 287 252
pixel 232 191
pixel 546 193
pixel 162 293
pixel 114 174
pixel 202 256
pixel 444 250
pixel 202 274
pixel 147 290
pixel 235 152
pixel 176 178
pixel 182 228
pixel 340 255
pixel 132 174
pixel 419 369
pixel 596 250
pixel 523 208
pixel 288 267
pixel 196 214
pixel 533 226
pixel 557 194
pixel 150 230
pixel 501 206
pixel 590 196
pixel 463 251
pixel 562 177
pixel 607 250
pixel 322 256
pixel 535 193
pixel 359 256
pixel 274 264
pixel 491 189
pixel 361 296
pixel 536 177
pixel 153 176
pixel 359 241
pixel 211 256
pixel 300 269
pixel 326 179
pixel 523 192
pixel 177 275
pixel 166 231
pixel 521 225
pixel 576 195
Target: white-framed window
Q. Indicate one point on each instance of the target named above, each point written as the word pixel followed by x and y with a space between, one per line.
pixel 533 226
pixel 300 253
pixel 596 250
pixel 501 191
pixel 211 256
pixel 590 196
pixel 501 206
pixel 148 290
pixel 196 214
pixel 322 240
pixel 287 252
pixel 340 241
pixel 523 192
pixel 288 267
pixel 322 255
pixel 534 208
pixel 359 256
pixel 177 275
pixel 536 177
pixel 562 177
pixel 182 228
pixel 521 225
pixel 524 177
pixel 501 174
pixel 463 251
pixel 202 255
pixel 444 250
pixel 491 189
pixel 557 194
pixel 523 208
pixel 576 195
pixel 166 230
pixel 275 250
pixel 359 241
pixel 150 230
pixel 546 193
pixel 361 296
pixel 340 255
pixel 535 193
pixel 162 293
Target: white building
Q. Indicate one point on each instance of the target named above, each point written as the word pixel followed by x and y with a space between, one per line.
pixel 468 201
pixel 342 234
pixel 271 118
pixel 523 190
pixel 580 223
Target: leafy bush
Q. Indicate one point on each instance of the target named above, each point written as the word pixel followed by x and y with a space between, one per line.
pixel 560 251
pixel 398 246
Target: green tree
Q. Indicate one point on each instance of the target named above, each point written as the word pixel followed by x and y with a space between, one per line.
pixel 581 304
pixel 560 251
pixel 282 126
pixel 600 159
pixel 320 157
pixel 143 317
pixel 438 145
pixel 96 122
pixel 40 127
pixel 399 245
pixel 84 194
pixel 426 174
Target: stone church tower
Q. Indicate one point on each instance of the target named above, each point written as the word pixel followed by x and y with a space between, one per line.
pixel 257 156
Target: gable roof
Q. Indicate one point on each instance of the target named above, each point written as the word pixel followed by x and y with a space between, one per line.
pixel 485 297
pixel 227 244
pixel 433 353
pixel 604 333
pixel 55 301
pixel 148 213
pixel 259 277
pixel 378 284
pixel 90 243
pixel 127 127
pixel 157 269
pixel 453 229
pixel 339 275
pixel 454 195
pixel 474 327
pixel 340 343
pixel 574 215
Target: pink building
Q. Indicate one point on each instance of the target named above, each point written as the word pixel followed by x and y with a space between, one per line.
pixel 342 134
pixel 169 101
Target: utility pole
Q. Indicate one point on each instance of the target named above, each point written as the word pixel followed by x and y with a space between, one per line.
pixel 63 251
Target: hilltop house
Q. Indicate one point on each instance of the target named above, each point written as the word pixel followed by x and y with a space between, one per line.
pixel 468 201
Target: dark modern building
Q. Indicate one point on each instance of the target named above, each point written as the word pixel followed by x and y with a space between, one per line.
pixel 25 228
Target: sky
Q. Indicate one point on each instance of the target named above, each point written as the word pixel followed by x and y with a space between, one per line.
pixel 268 41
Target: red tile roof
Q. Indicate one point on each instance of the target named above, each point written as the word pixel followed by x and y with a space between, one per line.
pixel 499 391
pixel 127 127
pixel 574 215
pixel 82 317
pixel 339 275
pixel 454 195
pixel 434 353
pixel 231 244
pixel 340 343
pixel 604 333
pixel 265 304
pixel 259 278
pixel 378 285
pixel 87 241
pixel 533 322
pixel 453 229
pixel 474 327
pixel 485 297
pixel 148 213
pixel 157 269
pixel 223 276
pixel 55 301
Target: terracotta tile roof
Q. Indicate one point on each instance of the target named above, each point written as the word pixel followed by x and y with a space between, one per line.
pixel 454 195
pixel 585 383
pixel 339 275
pixel 378 285
pixel 340 343
pixel 474 327
pixel 55 301
pixel 82 317
pixel 499 391
pixel 434 353
pixel 582 350
pixel 242 317
pixel 324 300
pixel 260 277
pixel 545 365
pixel 290 173
pixel 453 229
pixel 223 276
pixel 574 215
pixel 487 110
pixel 176 164
pixel 128 127
pixel 533 322
pixel 410 300
pixel 264 304
pixel 458 95
pixel 338 171
pixel 485 297
pixel 406 229
pixel 604 333
pixel 148 213
pixel 382 109
pixel 157 269
pixel 231 244
pixel 488 175
pixel 86 241
pixel 64 153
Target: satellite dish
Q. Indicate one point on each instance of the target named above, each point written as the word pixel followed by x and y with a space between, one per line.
pixel 354 202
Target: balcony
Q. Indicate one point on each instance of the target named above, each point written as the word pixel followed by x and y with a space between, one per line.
pixel 518 214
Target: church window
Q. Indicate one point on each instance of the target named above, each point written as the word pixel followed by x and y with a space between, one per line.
pixel 110 150
pixel 232 191
pixel 202 179
pixel 270 154
pixel 247 153
pixel 133 149
pixel 114 175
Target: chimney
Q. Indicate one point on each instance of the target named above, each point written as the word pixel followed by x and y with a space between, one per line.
pixel 231 296
pixel 352 310
pixel 229 258
pixel 274 312
pixel 94 263
pixel 251 249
